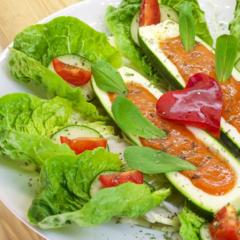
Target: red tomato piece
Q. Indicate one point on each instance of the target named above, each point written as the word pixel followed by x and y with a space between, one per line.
pixel 71 74
pixel 199 104
pixel 149 13
pixel 226 225
pixel 81 144
pixel 115 179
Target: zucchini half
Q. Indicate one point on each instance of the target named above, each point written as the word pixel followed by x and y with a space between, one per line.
pixel 205 201
pixel 149 38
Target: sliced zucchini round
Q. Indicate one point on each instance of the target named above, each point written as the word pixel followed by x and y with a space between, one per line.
pixel 166 13
pixel 163 216
pixel 134 28
pixel 81 63
pixel 75 131
pixel 237 65
pixel 96 184
pixel 204 232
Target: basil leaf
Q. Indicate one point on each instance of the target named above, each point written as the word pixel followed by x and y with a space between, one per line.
pixel 108 78
pixel 151 161
pixel 226 53
pixel 187 26
pixel 131 121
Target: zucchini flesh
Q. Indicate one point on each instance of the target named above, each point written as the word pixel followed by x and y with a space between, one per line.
pixel 81 63
pixel 96 184
pixel 168 13
pixel 75 131
pixel 134 28
pixel 204 232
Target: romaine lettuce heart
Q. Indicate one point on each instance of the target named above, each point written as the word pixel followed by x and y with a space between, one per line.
pixel 66 181
pixel 28 70
pixel 63 36
pixel 27 123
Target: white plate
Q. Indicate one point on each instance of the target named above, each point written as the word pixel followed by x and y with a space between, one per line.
pixel 15 190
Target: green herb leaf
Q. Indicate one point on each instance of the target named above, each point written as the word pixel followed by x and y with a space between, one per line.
pixel 131 121
pixel 187 26
pixel 151 161
pixel 226 53
pixel 108 78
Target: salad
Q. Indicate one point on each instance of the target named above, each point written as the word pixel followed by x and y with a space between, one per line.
pixel 142 126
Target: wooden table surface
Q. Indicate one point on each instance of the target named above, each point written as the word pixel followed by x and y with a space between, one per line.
pixel 14 16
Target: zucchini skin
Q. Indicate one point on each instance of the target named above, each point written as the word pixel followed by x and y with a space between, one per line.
pixel 160 68
pixel 72 126
pixel 231 145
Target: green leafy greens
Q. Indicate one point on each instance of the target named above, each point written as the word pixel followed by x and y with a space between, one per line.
pixel 27 113
pixel 131 121
pixel 27 70
pixel 107 78
pixel 132 200
pixel 27 123
pixel 66 180
pixel 118 21
pixel 30 150
pixel 64 36
pixel 226 53
pixel 36 46
pixel 187 26
pixel 190 224
pixel 151 161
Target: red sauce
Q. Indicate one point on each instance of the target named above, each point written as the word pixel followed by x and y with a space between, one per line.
pixel 202 60
pixel 213 175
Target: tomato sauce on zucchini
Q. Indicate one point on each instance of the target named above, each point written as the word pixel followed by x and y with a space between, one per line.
pixel 213 175
pixel 202 60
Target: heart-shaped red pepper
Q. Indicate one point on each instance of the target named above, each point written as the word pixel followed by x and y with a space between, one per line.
pixel 199 104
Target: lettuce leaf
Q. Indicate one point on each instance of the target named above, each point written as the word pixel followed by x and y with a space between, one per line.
pixel 201 26
pixel 234 27
pixel 66 181
pixel 27 113
pixel 27 123
pixel 126 200
pixel 190 224
pixel 30 150
pixel 27 70
pixel 118 21
pixel 36 46
pixel 64 36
